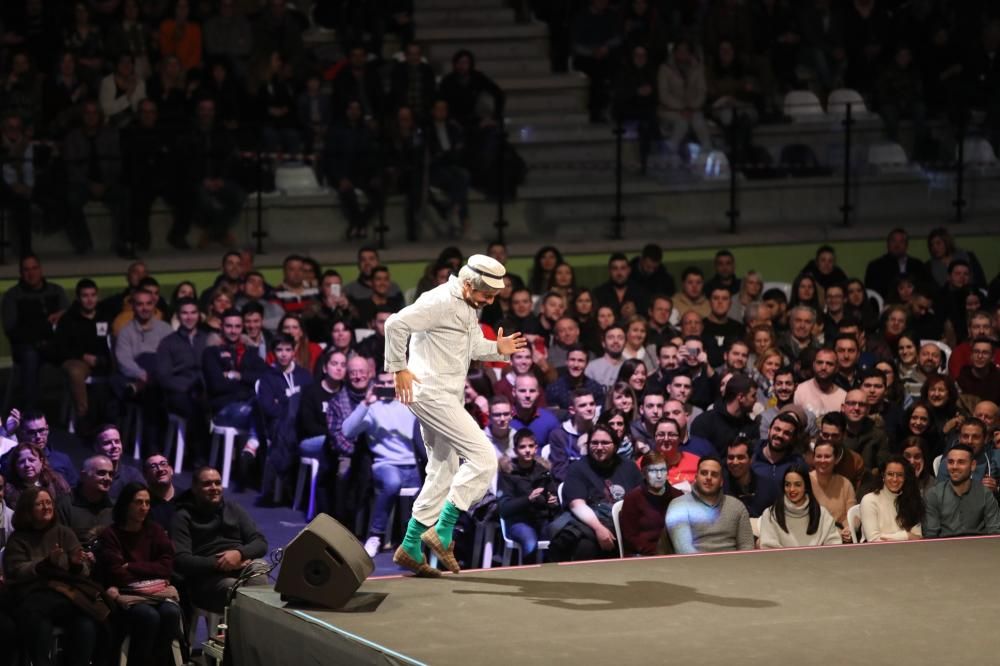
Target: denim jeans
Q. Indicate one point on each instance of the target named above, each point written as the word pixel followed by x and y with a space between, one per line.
pixel 312 447
pixel 238 415
pixel 388 481
pixel 525 535
pixel 152 629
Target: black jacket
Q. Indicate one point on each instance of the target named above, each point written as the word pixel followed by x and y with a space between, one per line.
pixel 77 335
pixel 514 487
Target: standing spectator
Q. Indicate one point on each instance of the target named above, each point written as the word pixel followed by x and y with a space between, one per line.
pixel 214 541
pixel 359 80
pixel 959 506
pixel 93 162
pixel 635 99
pixel 31 310
pixel 39 538
pixel 181 37
pixel 17 180
pixel 412 83
pixel 644 508
pixel 894 511
pixel 149 173
pixel 527 499
pixel 134 550
pixel 596 40
pixel 881 272
pixel 681 82
pixel 707 520
pixel 797 518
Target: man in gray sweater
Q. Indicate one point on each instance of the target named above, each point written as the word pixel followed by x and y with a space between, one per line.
pixel 707 520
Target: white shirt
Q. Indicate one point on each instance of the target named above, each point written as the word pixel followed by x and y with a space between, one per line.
pixel 442 333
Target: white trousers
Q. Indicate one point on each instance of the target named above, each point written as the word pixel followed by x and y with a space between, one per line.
pixel 451 433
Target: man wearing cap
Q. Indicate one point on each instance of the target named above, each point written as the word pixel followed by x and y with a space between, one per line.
pixel 441 330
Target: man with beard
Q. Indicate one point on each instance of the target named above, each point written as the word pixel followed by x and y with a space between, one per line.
pixel 863 435
pixel 773 456
pixel 820 395
pixel 361 288
pixel 442 334
pixel 731 415
pixel 845 346
pixel 593 484
pixel 661 309
pixel 604 370
pixel 553 307
pixel 649 273
pixel 783 387
pixel 708 520
pixel 960 506
pixel 565 335
pixel 617 293
pixel 572 377
pixel 81 341
pixel 718 330
pixel 643 429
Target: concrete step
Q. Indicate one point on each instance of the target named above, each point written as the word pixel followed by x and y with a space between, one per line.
pixel 512 67
pixel 601 152
pixel 522 134
pixel 545 120
pixel 426 17
pixel 570 101
pixel 440 51
pixel 541 85
pixel 467 5
pixel 484 33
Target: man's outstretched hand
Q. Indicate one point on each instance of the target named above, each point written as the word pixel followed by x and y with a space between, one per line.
pixel 510 344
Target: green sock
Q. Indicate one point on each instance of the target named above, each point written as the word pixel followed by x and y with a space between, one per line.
pixel 411 542
pixel 446 523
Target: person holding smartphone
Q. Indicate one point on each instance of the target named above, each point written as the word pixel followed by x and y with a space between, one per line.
pixel 527 494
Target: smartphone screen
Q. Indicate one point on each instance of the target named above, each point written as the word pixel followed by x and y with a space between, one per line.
pixel 335 290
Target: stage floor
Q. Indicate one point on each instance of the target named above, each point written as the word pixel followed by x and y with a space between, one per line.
pixel 924 602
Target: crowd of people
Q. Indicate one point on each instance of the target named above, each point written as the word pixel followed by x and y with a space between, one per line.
pixel 722 415
pixel 672 66
pixel 196 104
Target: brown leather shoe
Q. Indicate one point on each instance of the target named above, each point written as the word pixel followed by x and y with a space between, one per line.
pixel 431 539
pixel 419 569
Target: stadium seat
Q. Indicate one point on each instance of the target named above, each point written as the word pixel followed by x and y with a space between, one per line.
pixel 174 442
pixel 616 510
pixel 836 103
pixel 877 297
pixel 887 157
pixel 783 286
pixel 509 546
pixel 296 179
pixel 803 105
pixel 711 165
pixel 308 466
pixel 978 152
pixel 227 436
pixel 854 523
pixel 945 352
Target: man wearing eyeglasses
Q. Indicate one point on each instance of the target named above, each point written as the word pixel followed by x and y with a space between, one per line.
pixel 981 377
pixel 34 429
pixel 159 476
pixel 498 430
pixel 862 434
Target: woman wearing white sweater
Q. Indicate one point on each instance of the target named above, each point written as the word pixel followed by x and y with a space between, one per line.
pixel 893 512
pixel 796 518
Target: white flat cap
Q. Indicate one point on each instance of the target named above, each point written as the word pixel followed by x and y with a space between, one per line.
pixel 491 270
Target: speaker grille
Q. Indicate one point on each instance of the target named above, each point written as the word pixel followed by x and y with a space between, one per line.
pixel 316 573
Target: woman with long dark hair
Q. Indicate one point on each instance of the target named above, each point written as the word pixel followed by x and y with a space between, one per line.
pixel 42 550
pixel 307 353
pixel 805 291
pixel 135 552
pixel 918 422
pixel 542 268
pixel 633 373
pixel 941 393
pixel 796 518
pixel 620 422
pixel 915 452
pixel 894 511
pixel 860 305
pixel 622 396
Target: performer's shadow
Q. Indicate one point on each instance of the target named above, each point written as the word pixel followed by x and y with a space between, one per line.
pixel 590 596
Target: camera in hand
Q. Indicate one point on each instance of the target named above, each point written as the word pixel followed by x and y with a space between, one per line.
pixel 385 392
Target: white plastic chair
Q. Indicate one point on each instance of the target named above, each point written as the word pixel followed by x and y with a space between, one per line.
pixel 945 352
pixel 711 165
pixel 362 333
pixel 546 450
pixel 174 443
pixel 803 105
pixel 410 295
pixel 227 436
pixel 783 286
pixel 211 623
pixel 509 546
pixel 888 157
pixel 936 465
pixel 308 466
pixel 978 152
pixel 877 297
pixel 836 103
pixel 296 179
pixel 854 524
pixel 616 510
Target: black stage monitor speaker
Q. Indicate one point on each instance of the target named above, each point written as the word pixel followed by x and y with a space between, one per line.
pixel 323 565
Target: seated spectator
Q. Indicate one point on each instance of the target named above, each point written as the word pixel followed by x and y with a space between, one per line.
pixel 231 373
pixel 833 492
pixel 914 450
pixel 257 338
pixel 797 518
pixel 739 481
pixel 17 181
pixel 644 508
pixel 474 100
pixel 33 430
pixel 498 430
pixel 359 80
pixel 691 297
pixel 572 377
pixel 593 484
pixel 380 295
pixel 63 91
pixel 6 514
pixel 159 477
pixel 981 377
pixel 959 506
pixel 604 369
pixel 352 166
pixel 412 83
pixel 564 442
pixel 526 498
pixel 214 198
pixel 881 272
pixel 847 463
pixel 899 93
pixel 108 443
pixel 681 82
pixel 276 97
pixel 373 347
pixel 596 40
pixel 972 433
pixel 93 159
pixel 214 541
pixel 707 520
pixel 135 550
pixel 731 415
pixel 799 337
pixel 127 313
pixel 121 92
pixel 528 413
pixel 863 434
pixel 643 428
pixel 895 511
pixel 820 394
pixel 678 411
pixel 294 294
pixel 774 455
pixel 635 99
pixel 30 310
pixel 40 538
pixel 27 467
pixel 180 36
pixel 332 308
pixel 87 510
pixel 82 340
pixel 307 352
pixel 625 298
pixel 228 35
pixel 447 149
pixel 682 466
pixel 279 393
